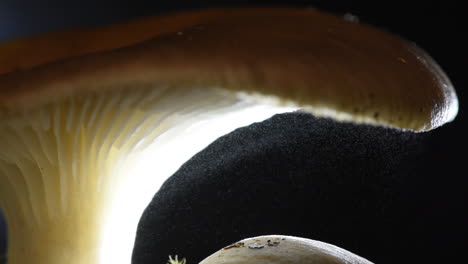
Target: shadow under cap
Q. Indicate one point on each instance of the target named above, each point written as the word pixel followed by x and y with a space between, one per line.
pixel 293 56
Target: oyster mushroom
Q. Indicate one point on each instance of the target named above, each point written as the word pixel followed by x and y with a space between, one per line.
pixel 282 250
pixel 91 130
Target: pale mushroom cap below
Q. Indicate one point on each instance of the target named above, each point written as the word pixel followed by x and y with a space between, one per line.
pixel 276 249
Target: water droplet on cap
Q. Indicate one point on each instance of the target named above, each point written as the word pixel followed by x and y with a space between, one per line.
pixel 256 246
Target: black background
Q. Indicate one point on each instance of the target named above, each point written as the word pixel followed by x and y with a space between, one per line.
pixel 437 27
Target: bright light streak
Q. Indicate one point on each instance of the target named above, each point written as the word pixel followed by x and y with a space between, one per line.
pixel 143 173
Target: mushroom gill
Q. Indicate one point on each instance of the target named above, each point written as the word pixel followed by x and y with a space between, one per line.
pixel 86 138
pixel 74 172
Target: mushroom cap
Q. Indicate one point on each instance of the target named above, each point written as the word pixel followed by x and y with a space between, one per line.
pixel 282 250
pixel 296 56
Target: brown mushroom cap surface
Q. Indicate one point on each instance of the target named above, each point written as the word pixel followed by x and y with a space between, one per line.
pixel 328 65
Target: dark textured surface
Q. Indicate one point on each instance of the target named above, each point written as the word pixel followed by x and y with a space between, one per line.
pixel 367 189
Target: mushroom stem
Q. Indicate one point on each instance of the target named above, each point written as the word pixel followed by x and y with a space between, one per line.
pixel 76 174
